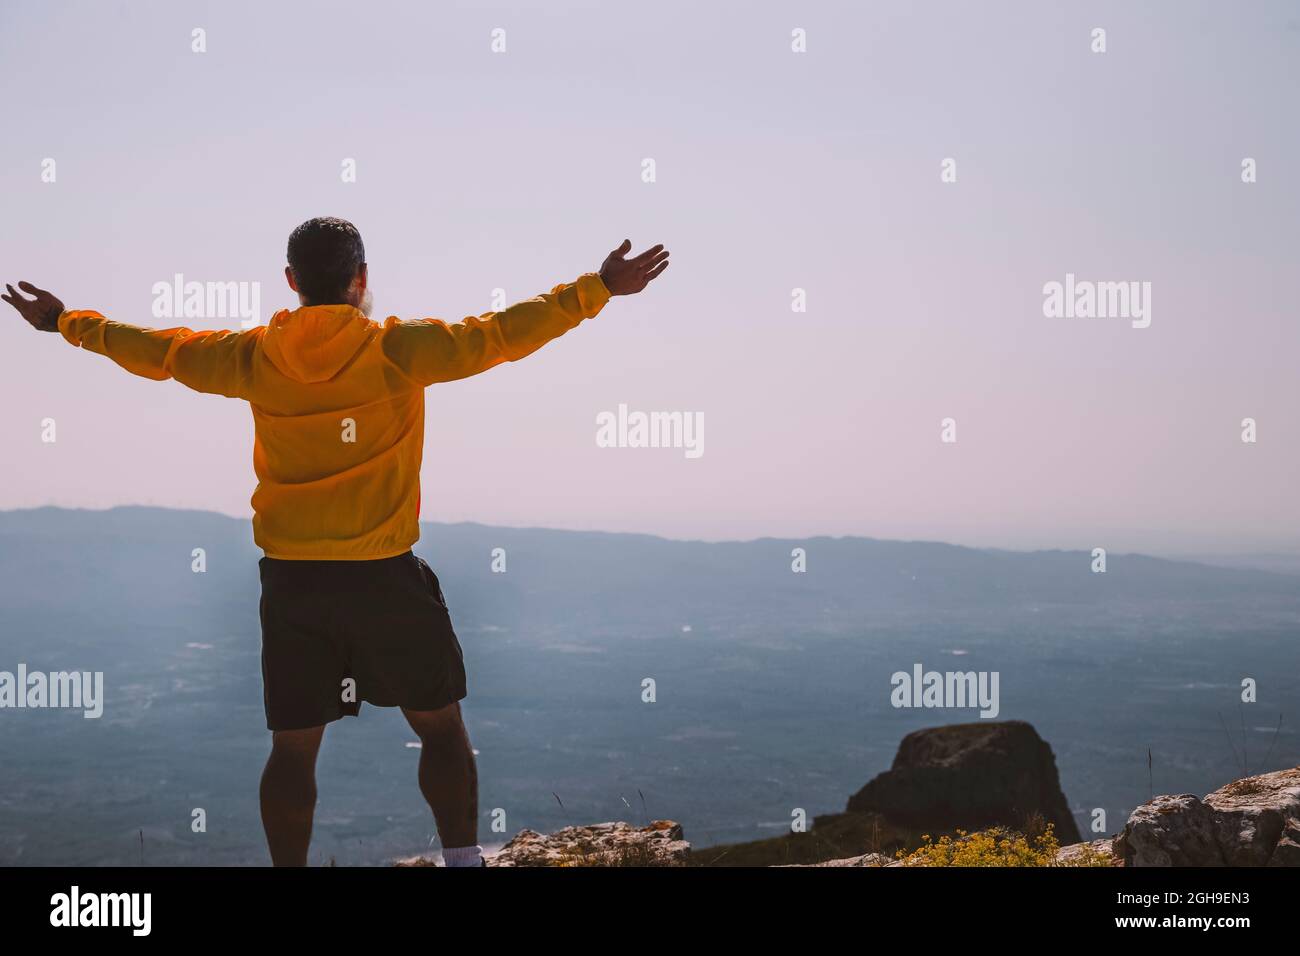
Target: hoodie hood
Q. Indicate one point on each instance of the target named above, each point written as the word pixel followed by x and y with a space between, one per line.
pixel 313 343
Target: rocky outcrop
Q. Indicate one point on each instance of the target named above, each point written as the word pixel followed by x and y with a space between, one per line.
pixel 866 859
pixel 1093 853
pixel 1250 822
pixel 1254 821
pixel 600 844
pixel 970 776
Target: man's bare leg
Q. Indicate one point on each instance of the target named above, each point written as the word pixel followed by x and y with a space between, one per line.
pixel 289 794
pixel 448 774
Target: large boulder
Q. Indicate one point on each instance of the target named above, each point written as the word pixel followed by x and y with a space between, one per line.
pixel 1250 822
pixel 971 776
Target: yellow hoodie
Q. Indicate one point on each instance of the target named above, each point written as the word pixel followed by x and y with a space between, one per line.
pixel 338 404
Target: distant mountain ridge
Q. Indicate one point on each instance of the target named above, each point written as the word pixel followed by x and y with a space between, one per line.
pixel 845 575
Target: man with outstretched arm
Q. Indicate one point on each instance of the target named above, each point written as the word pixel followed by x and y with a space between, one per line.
pixel 348 613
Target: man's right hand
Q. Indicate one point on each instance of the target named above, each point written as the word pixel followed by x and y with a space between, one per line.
pixel 628 276
pixel 42 312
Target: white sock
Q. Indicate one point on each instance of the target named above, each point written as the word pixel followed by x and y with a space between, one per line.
pixel 462 855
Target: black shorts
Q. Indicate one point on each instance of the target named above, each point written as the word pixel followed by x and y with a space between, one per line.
pixel 336 633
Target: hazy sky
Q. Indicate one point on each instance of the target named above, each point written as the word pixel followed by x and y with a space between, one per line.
pixel 775 170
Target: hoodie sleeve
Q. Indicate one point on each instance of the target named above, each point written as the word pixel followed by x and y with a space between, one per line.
pixel 213 362
pixel 430 350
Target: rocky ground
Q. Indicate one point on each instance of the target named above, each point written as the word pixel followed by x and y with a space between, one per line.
pixel 980 777
pixel 600 844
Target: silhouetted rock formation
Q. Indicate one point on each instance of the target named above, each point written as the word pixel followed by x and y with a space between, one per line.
pixel 1250 822
pixel 970 776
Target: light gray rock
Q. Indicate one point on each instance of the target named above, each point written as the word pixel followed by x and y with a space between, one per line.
pixel 1095 852
pixel 1171 831
pixel 1253 816
pixel 1250 822
pixel 866 859
pixel 599 844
